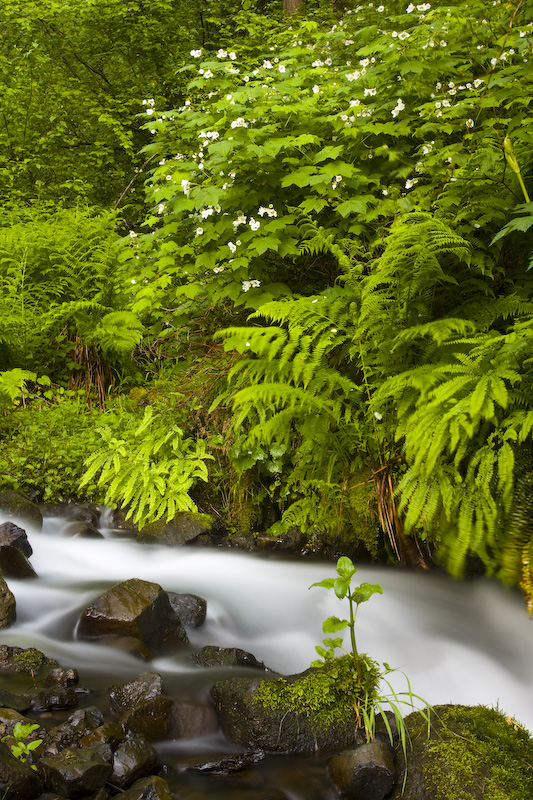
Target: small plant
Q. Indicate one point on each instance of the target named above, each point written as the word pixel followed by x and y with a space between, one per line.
pixel 374 700
pixel 21 748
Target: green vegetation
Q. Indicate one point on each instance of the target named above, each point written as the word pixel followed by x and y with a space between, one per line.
pixel 279 263
pixel 21 747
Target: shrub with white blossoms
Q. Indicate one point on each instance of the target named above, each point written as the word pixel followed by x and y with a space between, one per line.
pixel 310 146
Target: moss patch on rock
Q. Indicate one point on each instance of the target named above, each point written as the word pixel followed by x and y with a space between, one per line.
pixel 473 753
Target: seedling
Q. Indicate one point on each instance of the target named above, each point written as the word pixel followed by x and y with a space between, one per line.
pixel 22 748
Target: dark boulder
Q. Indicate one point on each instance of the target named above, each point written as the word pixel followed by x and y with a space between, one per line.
pixel 110 733
pixel 83 530
pixel 18 781
pixel 151 718
pixel 250 724
pixel 13 536
pixel 365 772
pixel 124 696
pixel 17 702
pixel 55 699
pixel 89 513
pixel 9 718
pixel 18 508
pixel 151 788
pixel 70 733
pixel 134 758
pixel 178 531
pixel 63 677
pixel 229 764
pixel 14 564
pixel 8 609
pixel 473 752
pixel 76 772
pixel 192 720
pixel 28 660
pixel 212 656
pixel 190 609
pixel 136 609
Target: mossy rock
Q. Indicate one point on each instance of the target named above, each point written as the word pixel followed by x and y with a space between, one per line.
pixel 178 531
pixel 19 509
pixel 28 660
pixel 473 753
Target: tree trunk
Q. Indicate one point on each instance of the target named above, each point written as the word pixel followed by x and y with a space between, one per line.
pixel 290 6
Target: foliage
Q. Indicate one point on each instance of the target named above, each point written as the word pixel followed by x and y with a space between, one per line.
pixel 147 465
pixel 21 748
pixel 62 309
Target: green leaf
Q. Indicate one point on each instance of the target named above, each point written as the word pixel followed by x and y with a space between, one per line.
pixel 327 583
pixel 365 591
pixel 345 568
pixel 334 624
pixel 341 587
pixel 352 206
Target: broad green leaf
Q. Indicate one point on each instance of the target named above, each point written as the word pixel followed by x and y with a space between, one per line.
pixel 345 568
pixel 365 591
pixel 334 624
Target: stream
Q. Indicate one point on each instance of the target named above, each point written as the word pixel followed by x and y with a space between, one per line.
pixel 459 642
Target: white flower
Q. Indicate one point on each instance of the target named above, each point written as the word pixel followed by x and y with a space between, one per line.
pixel 254 224
pixel 410 182
pixel 381 9
pixel 218 269
pixel 247 285
pixel 241 220
pixel 208 74
pixel 478 82
pixel 233 56
pixel 316 89
pixel 469 123
pixel 400 105
pixel 267 65
pixel 150 111
pixel 281 67
pixel 133 235
pixel 133 280
pixel 353 76
pixel 378 416
pixel 409 8
pixel 198 231
pixel 424 7
pixel 370 92
pixel 196 53
pixel 239 123
pixel 160 208
pixel 232 246
pixel 403 35
pixel 186 186
pixel 149 101
pixel 206 212
pixel 443 43
pixel 365 62
pixel 221 53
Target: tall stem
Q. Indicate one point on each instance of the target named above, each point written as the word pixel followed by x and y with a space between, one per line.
pixel 355 654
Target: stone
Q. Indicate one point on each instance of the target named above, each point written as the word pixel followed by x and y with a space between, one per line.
pixel 232 763
pixel 14 564
pixel 9 718
pixel 472 752
pixel 63 677
pixel 8 609
pixel 76 772
pixel 213 656
pixel 18 702
pixel 83 530
pixel 254 726
pixel 18 781
pixel 151 718
pixel 25 659
pixel 134 758
pixel 18 508
pixel 190 608
pixel 124 696
pixel 55 699
pixel 70 733
pixel 13 536
pixel 193 720
pixel 109 733
pixel 150 788
pixel 137 609
pixel 365 772
pixel 183 528
pixel 89 513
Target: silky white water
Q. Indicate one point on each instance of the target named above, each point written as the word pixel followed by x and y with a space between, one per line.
pixel 459 642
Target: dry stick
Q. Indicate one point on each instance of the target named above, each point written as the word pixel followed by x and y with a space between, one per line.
pixel 139 172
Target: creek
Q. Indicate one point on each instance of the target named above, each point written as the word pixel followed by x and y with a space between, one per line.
pixel 460 642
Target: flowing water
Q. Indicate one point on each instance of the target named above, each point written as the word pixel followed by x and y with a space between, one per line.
pixel 460 642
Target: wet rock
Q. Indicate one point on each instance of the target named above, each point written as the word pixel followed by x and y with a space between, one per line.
pixel 176 532
pixel 14 564
pixel 18 781
pixel 124 696
pixel 110 734
pixel 17 507
pixel 18 702
pixel 88 512
pixel 473 752
pixel 137 609
pixel 152 718
pixel 56 698
pixel 365 772
pixel 254 726
pixel 84 530
pixel 234 763
pixel 134 758
pixel 28 660
pixel 71 732
pixel 192 720
pixel 63 677
pixel 13 536
pixel 76 772
pixel 212 656
pixel 8 611
pixel 51 796
pixel 151 788
pixel 190 608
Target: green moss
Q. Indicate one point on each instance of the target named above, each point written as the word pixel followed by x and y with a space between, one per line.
pixel 476 753
pixel 31 661
pixel 360 513
pixel 327 696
